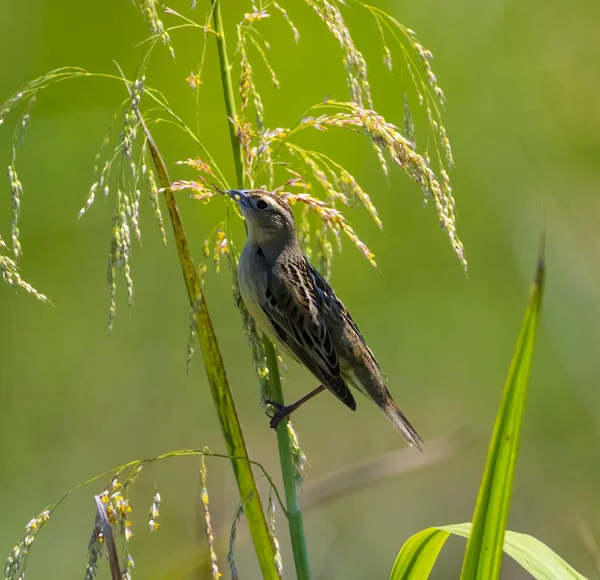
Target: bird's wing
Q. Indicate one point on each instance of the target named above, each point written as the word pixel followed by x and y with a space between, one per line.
pixel 329 298
pixel 295 309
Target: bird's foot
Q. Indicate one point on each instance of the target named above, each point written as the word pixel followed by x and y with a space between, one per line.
pixel 282 412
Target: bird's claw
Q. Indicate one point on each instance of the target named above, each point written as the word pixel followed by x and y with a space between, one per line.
pixel 281 413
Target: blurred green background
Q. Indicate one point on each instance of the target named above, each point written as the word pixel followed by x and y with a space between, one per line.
pixel 524 118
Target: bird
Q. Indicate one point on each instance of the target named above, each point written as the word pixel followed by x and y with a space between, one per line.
pixel 298 310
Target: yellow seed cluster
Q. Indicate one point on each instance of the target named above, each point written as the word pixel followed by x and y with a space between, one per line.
pixel 207 520
pixel 193 80
pixel 117 507
pixel 154 511
pixel 15 563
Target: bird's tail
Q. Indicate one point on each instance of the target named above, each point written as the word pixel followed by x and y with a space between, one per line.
pixel 395 415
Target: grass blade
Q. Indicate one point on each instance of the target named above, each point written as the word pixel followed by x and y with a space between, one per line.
pixel 535 557
pixel 483 557
pixel 219 384
pixel 419 553
pixel 109 540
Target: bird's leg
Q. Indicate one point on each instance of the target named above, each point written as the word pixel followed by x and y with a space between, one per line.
pixel 283 411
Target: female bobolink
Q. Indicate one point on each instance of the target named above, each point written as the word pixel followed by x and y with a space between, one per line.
pixel 296 307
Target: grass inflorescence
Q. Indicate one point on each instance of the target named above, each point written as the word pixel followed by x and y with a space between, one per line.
pixel 128 169
pixel 10 273
pixel 214 568
pixel 116 504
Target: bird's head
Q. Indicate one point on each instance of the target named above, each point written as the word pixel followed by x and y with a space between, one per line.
pixel 268 217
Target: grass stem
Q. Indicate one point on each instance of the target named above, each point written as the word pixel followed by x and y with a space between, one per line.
pixel 295 522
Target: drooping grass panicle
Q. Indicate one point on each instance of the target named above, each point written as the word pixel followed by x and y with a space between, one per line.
pixel 239 512
pixel 14 568
pixel 298 456
pixel 194 313
pixel 342 185
pixel 324 249
pixel 153 193
pixel 314 169
pixel 95 550
pixel 304 235
pixel 16 187
pixel 417 61
pixel 245 130
pixel 16 192
pixel 155 511
pixel 286 17
pixel 272 529
pixel 409 126
pixel 157 28
pixel 132 173
pixel 120 253
pixel 117 509
pixel 33 87
pixel 400 150
pixel 332 218
pixel 10 274
pixel 201 188
pixel 207 521
pixel 354 61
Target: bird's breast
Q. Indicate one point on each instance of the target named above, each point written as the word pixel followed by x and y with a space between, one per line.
pixel 253 276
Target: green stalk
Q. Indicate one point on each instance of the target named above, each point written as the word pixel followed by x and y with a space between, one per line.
pixel 238 156
pixel 295 522
pixel 288 470
pixel 219 384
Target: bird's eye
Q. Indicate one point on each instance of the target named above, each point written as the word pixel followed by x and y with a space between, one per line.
pixel 261 204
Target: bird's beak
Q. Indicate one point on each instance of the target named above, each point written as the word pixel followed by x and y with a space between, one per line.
pixel 240 196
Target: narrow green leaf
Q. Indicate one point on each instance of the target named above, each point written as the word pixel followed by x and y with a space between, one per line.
pixel 537 558
pixel 419 553
pixel 219 384
pixel 483 558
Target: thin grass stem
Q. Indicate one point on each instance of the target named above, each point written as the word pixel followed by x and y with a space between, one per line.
pixel 238 156
pixel 295 522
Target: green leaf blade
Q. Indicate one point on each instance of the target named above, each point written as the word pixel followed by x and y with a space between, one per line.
pixel 418 555
pixel 532 554
pixel 483 558
pixel 218 382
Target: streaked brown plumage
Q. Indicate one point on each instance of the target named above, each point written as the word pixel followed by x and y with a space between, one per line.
pixel 296 307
